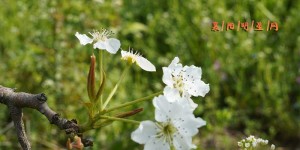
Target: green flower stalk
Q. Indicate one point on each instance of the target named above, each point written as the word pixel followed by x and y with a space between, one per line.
pixel 131 102
pixel 119 119
pixel 102 78
pixel 111 94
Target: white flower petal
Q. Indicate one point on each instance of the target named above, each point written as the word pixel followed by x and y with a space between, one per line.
pixel 192 104
pixel 161 108
pixel 167 77
pixel 198 88
pixel 145 64
pixel 144 132
pixel 175 67
pixel 176 71
pixel 175 62
pixel 182 143
pixel 186 103
pixel 171 94
pixel 112 45
pixel 100 45
pixel 186 94
pixel 123 53
pixel 83 39
pixel 193 83
pixel 165 110
pixel 139 60
pixel 193 72
pixel 188 126
pixel 156 144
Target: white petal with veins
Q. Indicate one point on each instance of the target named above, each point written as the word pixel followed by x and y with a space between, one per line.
pixel 83 38
pixel 112 45
pixel 100 45
pixel 145 64
pixel 138 59
pixel 144 132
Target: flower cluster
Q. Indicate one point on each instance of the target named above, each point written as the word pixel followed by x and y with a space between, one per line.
pixel 251 143
pixel 102 41
pixel 175 122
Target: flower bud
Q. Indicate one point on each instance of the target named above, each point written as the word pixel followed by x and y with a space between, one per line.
pixel 69 145
pixel 129 113
pixel 91 79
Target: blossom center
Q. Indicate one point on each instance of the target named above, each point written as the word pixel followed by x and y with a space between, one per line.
pixel 101 36
pixel 178 82
pixel 130 56
pixel 167 130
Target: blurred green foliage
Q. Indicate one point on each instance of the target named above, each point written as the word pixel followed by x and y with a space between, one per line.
pixel 254 76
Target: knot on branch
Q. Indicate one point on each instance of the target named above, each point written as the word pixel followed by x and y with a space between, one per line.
pixel 55 119
pixel 87 142
pixel 71 127
pixel 42 97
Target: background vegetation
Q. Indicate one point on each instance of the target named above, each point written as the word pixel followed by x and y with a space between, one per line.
pixel 254 76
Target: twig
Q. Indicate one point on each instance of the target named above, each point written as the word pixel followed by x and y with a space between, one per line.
pixel 15 101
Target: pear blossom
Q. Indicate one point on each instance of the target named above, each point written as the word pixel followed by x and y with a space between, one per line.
pixel 272 147
pixel 251 142
pixel 186 79
pixel 138 59
pixel 174 127
pixel 101 40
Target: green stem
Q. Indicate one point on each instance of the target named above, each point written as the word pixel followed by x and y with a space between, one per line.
pixel 119 119
pixel 86 127
pixel 111 94
pixel 103 124
pixel 132 102
pixel 100 75
pixel 99 115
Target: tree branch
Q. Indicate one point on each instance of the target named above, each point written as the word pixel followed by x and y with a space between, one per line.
pixel 16 115
pixel 15 101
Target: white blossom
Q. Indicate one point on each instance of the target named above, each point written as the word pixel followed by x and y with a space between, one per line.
pixel 187 79
pixel 247 145
pixel 101 40
pixel 251 143
pixel 272 147
pixel 138 59
pixel 174 127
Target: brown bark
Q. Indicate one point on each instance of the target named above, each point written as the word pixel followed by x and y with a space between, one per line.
pixel 15 101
